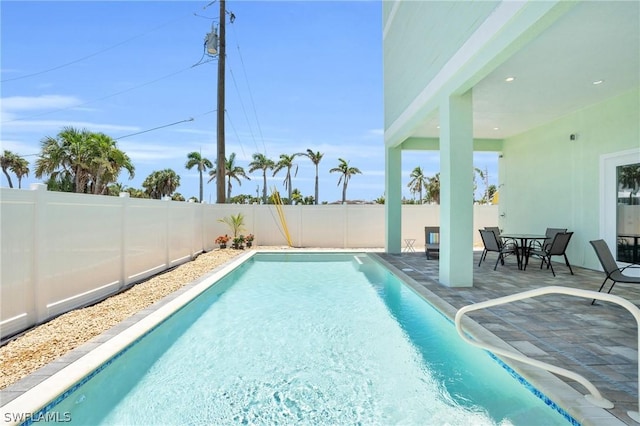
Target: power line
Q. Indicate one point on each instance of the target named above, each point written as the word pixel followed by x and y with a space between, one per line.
pixel 236 133
pixel 155 128
pixel 244 110
pixel 75 61
pixel 98 99
pixel 255 113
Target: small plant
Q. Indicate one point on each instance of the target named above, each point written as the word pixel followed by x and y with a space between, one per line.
pixel 235 223
pixel 238 242
pixel 222 239
pixel 249 240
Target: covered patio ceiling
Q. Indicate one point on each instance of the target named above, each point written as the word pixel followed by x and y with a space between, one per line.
pixel 556 72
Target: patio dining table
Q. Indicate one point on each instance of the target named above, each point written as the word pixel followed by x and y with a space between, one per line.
pixel 523 246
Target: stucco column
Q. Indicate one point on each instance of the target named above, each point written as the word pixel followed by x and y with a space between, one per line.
pixel 393 199
pixel 456 191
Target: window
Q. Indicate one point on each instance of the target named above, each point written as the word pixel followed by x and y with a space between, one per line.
pixel 628 213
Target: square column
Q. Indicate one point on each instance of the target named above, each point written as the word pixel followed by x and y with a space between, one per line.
pixel 393 199
pixel 456 191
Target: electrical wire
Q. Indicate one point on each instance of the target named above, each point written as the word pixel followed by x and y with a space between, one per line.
pixel 75 61
pixel 155 128
pixel 236 133
pixel 253 104
pixel 244 110
pixel 98 99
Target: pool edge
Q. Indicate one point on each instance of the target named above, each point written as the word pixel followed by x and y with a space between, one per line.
pixel 551 386
pixel 40 395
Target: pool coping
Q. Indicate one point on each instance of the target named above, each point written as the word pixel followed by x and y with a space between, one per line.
pixel 34 392
pixel 551 386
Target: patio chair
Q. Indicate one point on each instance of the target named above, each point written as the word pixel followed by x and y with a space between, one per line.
pixel 610 266
pixel 431 241
pixel 501 240
pixel 557 247
pixel 491 243
pixel 550 233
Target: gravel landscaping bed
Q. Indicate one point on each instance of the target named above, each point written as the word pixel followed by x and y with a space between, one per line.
pixel 43 344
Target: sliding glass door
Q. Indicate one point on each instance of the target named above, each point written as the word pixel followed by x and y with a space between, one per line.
pixel 628 213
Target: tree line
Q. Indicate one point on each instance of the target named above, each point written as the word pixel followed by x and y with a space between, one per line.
pixel 88 162
pixel 428 187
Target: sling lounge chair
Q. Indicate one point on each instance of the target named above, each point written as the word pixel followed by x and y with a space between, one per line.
pixel 614 273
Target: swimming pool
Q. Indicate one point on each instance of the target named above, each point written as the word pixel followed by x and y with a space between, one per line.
pixel 304 339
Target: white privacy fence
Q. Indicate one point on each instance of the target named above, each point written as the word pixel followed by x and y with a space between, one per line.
pixel 61 250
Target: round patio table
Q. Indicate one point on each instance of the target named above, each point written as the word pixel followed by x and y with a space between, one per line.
pixel 523 249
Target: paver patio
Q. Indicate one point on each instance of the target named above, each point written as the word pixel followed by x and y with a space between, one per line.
pixel 597 341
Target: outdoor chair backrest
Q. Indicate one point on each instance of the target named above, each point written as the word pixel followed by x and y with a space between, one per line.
pixel 604 255
pixel 550 233
pixel 559 244
pixel 495 229
pixel 490 240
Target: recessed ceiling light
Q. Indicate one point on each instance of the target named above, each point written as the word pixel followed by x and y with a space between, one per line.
pixel 496 128
pixel 437 127
pixel 598 82
pixel 509 79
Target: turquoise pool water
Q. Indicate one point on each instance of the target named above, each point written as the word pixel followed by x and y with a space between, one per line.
pixel 305 339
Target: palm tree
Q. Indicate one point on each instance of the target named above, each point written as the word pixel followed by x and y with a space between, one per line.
pixel 286 161
pixel 235 223
pixel 296 196
pixel 105 162
pixel 231 171
pixel 196 159
pixel 116 188
pixel 65 155
pixel 20 168
pixel 161 184
pixel 433 189
pixel 90 160
pixel 346 173
pixel 315 158
pixel 629 178
pixel 418 182
pixel 261 162
pixel 7 160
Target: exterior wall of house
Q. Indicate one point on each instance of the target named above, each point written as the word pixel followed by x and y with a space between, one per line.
pixel 549 180
pixel 60 251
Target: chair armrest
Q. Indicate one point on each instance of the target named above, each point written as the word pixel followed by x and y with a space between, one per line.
pixel 632 265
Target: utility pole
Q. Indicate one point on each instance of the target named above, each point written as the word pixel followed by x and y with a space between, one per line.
pixel 220 166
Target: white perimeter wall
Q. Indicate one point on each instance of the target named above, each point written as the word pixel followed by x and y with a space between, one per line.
pixel 61 251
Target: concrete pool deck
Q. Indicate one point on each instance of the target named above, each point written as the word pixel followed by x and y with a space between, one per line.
pixel 597 341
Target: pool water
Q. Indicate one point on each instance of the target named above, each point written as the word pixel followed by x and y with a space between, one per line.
pixel 306 339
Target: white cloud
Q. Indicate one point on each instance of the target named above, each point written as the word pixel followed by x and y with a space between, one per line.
pixel 150 152
pixel 56 125
pixel 30 103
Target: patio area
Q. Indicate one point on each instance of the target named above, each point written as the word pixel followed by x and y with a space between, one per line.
pixel 597 341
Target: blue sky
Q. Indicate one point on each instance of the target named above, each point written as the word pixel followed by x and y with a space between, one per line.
pixel 299 75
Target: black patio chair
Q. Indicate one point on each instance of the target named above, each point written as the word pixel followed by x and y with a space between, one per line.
pixel 611 268
pixel 491 243
pixel 501 240
pixel 550 233
pixel 557 247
